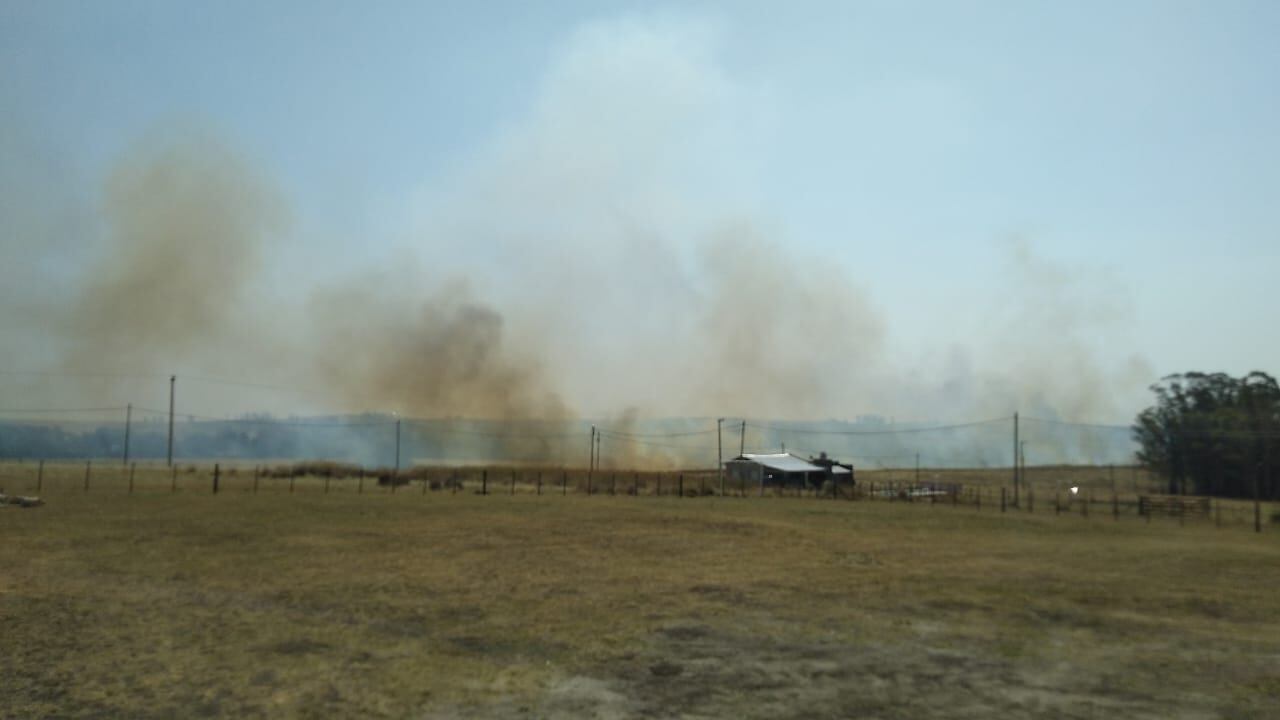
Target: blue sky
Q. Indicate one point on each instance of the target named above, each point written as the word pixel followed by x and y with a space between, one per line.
pixel 993 179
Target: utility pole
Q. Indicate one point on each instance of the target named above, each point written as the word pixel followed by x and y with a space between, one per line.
pixel 173 379
pixel 599 438
pixel 397 447
pixel 1015 459
pixel 742 440
pixel 128 420
pixel 720 453
pixel 1022 472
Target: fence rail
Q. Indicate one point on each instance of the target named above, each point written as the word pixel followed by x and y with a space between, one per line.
pixel 100 477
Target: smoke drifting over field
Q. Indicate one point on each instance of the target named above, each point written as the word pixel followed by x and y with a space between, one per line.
pixel 586 263
pixel 187 222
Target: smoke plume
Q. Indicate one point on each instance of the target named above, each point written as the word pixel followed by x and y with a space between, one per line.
pixel 601 257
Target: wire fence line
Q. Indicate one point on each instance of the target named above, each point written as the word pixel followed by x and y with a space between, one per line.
pixel 1044 494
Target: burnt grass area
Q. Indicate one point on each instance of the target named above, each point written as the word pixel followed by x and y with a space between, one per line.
pixel 439 605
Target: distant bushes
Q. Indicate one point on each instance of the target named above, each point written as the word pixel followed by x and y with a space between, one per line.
pixel 314 468
pixel 435 478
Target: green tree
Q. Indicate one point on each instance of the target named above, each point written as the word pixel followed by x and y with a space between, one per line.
pixel 1213 434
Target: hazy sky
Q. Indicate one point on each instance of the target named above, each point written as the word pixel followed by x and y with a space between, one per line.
pixel 987 176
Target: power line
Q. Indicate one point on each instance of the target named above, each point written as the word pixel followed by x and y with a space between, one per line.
pixel 619 434
pixel 936 428
pixel 61 410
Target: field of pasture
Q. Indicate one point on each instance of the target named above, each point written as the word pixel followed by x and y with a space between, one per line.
pixel 174 602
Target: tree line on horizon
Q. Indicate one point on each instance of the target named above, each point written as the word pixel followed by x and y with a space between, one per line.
pixel 1214 434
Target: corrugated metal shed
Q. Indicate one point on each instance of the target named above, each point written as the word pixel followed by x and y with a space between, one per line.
pixel 783 462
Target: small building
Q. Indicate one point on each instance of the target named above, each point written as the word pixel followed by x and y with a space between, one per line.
pixel 761 470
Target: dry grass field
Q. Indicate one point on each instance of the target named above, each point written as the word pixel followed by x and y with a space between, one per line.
pixel 161 605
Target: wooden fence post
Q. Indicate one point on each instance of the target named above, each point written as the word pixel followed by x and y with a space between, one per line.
pixel 216 473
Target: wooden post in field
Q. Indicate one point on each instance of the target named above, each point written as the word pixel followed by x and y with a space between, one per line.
pixel 1257 494
pixel 256 470
pixel 1003 502
pixel 484 481
pixel 216 473
pixel 87 465
pixel 40 476
pixel 589 488
pixel 132 468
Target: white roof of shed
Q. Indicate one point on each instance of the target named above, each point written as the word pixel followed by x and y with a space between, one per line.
pixel 785 462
